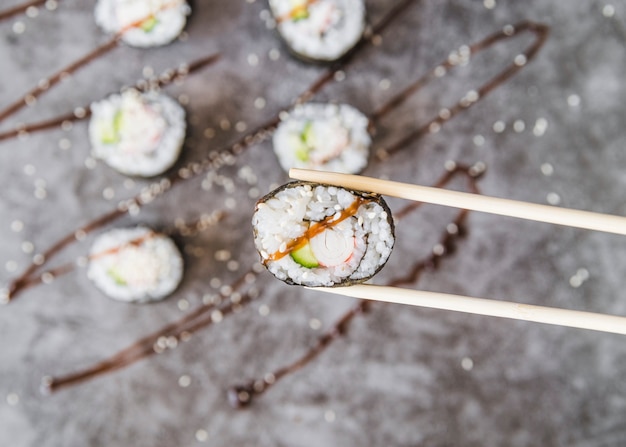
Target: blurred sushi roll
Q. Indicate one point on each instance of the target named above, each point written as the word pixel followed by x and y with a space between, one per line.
pixel 139 134
pixel 319 30
pixel 143 23
pixel 317 235
pixel 326 137
pixel 135 265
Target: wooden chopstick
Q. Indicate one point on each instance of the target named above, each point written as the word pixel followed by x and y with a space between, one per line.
pixel 475 202
pixel 481 306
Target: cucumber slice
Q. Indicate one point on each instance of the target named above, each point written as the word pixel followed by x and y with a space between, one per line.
pixel 307 136
pixel 117 277
pixel 304 256
pixel 149 24
pixel 302 153
pixel 306 142
pixel 107 134
pixel 110 131
pixel 300 13
pixel 117 121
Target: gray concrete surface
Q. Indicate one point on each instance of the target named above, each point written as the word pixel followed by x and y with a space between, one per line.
pixel 402 376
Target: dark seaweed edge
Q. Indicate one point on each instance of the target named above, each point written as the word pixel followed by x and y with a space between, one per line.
pixel 364 194
pixel 303 58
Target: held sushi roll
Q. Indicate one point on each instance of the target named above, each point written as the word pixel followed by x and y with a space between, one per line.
pixel 143 23
pixel 137 133
pixel 319 30
pixel 317 235
pixel 135 265
pixel 326 137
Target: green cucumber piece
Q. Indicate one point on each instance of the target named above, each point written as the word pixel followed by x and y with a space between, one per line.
pixel 300 14
pixel 117 121
pixel 306 142
pixel 117 277
pixel 302 153
pixel 307 136
pixel 149 24
pixel 304 256
pixel 110 131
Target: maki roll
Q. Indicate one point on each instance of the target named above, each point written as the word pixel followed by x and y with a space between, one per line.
pixel 135 265
pixel 316 235
pixel 319 30
pixel 326 137
pixel 143 23
pixel 137 133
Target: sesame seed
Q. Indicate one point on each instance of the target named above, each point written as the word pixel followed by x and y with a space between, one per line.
pixel 274 54
pixel 547 169
pixel 329 416
pixel 340 75
pixel 573 100
pixel 520 60
pixel 19 27
pixel 32 12
pixel 553 198
pixel 202 435
pixel 216 316
pixel 499 126
pixel 315 324
pixel 608 11
pixel 253 60
pixel 17 226
pixel 13 399
pixel 467 363
pixel 184 381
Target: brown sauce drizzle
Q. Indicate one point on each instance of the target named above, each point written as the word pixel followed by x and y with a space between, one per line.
pixel 212 162
pixel 149 345
pixel 20 9
pixel 201 317
pixel 188 229
pixel 262 132
pixel 33 94
pixel 28 278
pixel 540 32
pixel 56 78
pixel 165 79
pixel 317 228
pixel 240 396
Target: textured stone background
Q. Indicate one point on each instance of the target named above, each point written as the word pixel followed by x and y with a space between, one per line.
pixel 402 376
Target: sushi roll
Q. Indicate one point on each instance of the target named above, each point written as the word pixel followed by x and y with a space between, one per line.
pixel 135 265
pixel 143 23
pixel 316 235
pixel 319 30
pixel 139 134
pixel 326 137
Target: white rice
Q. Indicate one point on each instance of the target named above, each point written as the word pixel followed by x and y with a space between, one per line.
pixel 135 265
pixel 285 215
pixel 328 29
pixel 151 135
pixel 339 134
pixel 163 20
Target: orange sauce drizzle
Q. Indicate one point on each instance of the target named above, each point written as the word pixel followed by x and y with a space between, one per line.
pixel 132 243
pixel 318 228
pixel 137 23
pixel 295 11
